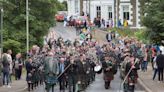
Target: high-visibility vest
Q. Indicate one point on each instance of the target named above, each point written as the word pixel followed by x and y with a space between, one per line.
pixel 82 36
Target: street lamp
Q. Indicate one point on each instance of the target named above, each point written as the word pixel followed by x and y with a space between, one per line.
pixel 86 6
pixel 27 28
pixel 89 8
pixel 1 31
pixel 1 38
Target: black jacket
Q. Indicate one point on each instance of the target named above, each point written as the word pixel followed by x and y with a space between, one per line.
pixel 160 61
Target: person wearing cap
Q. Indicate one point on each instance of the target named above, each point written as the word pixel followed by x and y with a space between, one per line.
pixel 107 66
pixel 82 72
pixel 131 68
pixel 71 73
pixel 123 65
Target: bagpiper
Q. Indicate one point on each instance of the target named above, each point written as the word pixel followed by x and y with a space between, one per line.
pixel 108 70
pixel 131 74
pixel 82 73
pixel 72 73
pixel 51 70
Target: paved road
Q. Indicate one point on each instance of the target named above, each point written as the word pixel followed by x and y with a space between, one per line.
pixel 98 85
pixel 64 32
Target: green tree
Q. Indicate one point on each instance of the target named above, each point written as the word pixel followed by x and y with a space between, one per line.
pixel 154 20
pixel 41 18
pixel 62 6
pixel 65 5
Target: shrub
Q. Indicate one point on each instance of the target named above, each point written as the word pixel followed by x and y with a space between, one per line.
pixel 13 45
pixel 140 34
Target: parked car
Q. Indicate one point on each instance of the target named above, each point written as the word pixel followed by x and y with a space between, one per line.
pixel 59 17
pixel 80 21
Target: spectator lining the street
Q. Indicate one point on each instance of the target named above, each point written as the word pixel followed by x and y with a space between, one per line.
pixel 5 70
pixel 18 65
pixel 65 21
pixel 160 65
pixel 155 67
pixel 9 52
pixel 145 60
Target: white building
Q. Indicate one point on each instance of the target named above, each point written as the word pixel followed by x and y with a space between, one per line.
pixel 109 9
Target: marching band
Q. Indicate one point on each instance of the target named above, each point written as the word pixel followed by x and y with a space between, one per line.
pixel 74 65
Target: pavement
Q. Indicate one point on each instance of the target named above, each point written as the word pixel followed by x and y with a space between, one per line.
pixel 145 82
pixel 16 86
pixel 145 78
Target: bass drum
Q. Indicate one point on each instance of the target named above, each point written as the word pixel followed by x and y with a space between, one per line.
pixel 98 69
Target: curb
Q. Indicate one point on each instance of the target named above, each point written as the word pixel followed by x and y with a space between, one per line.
pixel 147 89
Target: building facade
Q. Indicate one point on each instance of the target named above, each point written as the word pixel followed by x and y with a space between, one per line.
pixel 109 9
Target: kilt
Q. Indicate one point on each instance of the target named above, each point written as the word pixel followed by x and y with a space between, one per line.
pixel 108 76
pixel 133 78
pixel 36 76
pixel 51 80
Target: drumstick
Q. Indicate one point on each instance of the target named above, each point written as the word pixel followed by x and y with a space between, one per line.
pixel 64 71
pixel 128 74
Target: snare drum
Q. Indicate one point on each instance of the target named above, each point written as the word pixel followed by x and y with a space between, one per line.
pixel 98 69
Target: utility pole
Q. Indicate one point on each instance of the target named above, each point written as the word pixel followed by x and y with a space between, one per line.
pixel 1 38
pixel 27 27
pixel 81 7
pixel 117 13
pixel 89 8
pixel 1 32
pixel 86 6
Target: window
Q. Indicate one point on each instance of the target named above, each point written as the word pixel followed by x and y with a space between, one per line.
pixel 110 12
pixel 126 15
pixel 98 8
pixel 126 12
